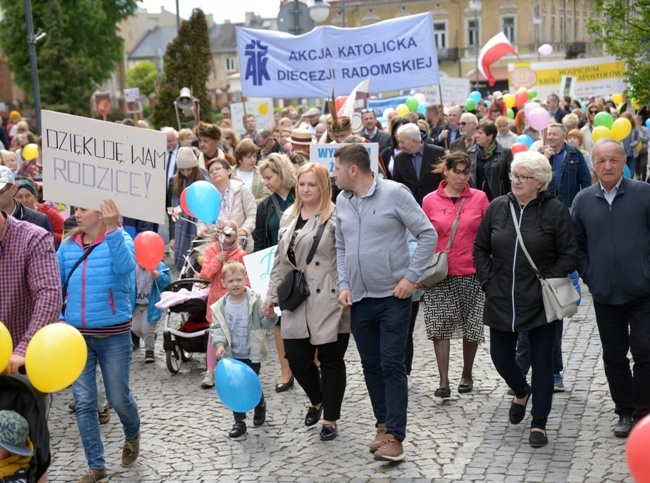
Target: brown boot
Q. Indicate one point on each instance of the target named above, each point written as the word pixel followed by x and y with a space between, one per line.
pixel 391 450
pixel 379 438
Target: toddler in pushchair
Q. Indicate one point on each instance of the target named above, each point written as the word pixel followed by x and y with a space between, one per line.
pixel 24 435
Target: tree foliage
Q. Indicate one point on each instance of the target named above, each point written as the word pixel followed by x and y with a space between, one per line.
pixel 186 64
pixel 81 49
pixel 623 26
pixel 143 76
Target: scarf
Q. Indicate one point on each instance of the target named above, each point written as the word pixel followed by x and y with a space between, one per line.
pixel 10 466
pixel 489 152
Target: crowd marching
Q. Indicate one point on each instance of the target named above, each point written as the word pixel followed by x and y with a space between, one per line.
pixel 506 205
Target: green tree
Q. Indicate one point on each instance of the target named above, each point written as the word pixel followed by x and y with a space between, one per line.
pixel 187 64
pixel 623 26
pixel 81 49
pixel 143 76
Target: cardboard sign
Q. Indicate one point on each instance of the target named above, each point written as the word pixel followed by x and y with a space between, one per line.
pixel 102 103
pixel 258 267
pixel 324 154
pixel 86 161
pixel 262 109
pixel 454 91
pixel 132 98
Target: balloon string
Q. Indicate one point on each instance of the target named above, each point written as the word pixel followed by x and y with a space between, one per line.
pixel 187 220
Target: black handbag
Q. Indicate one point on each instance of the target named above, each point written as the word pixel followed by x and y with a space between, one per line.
pixel 293 290
pixel 87 251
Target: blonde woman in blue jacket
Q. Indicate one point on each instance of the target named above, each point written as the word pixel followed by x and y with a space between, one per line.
pixel 100 299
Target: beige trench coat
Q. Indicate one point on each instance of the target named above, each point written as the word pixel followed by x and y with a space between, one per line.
pixel 319 317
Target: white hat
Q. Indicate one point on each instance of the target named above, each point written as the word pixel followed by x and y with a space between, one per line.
pixel 186 159
pixel 6 177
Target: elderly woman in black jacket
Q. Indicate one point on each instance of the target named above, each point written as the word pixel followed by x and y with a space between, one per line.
pixel 513 292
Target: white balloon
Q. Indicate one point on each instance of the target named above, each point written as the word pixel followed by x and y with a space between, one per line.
pixel 420 97
pixel 546 49
pixel 387 112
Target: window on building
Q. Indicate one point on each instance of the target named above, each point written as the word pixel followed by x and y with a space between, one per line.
pixel 473 34
pixel 509 28
pixel 231 66
pixel 440 33
pixel 569 29
pixel 553 27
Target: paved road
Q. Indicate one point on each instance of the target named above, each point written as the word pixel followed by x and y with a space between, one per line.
pixel 464 438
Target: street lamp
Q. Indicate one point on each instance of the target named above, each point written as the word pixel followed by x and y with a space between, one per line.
pixel 319 11
pixel 475 6
pixel 537 20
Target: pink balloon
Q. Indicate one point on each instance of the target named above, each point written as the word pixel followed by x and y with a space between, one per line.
pixel 539 118
pixel 531 106
pixel 420 97
pixel 546 49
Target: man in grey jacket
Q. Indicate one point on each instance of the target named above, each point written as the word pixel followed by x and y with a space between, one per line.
pixel 376 281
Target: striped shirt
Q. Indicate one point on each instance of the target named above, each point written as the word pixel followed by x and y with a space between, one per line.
pixel 30 285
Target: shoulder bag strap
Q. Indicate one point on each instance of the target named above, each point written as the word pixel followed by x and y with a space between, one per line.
pixel 74 267
pixel 454 227
pixel 521 241
pixel 277 206
pixel 312 251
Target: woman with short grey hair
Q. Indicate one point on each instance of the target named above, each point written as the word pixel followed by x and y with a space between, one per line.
pixel 512 290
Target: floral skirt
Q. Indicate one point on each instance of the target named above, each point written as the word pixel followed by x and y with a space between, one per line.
pixel 453 309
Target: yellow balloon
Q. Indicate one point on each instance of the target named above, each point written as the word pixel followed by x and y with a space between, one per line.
pixel 617 98
pixel 601 132
pixel 55 357
pixel 263 109
pixel 621 128
pixel 509 99
pixel 636 105
pixel 639 147
pixel 30 152
pixel 6 347
pixel 402 110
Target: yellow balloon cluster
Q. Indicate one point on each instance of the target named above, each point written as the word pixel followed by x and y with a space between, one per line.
pixel 6 347
pixel 55 357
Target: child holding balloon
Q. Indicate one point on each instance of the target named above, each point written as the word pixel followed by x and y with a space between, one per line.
pixel 225 248
pixel 239 331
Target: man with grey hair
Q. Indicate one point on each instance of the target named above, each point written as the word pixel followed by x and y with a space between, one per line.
pixel 467 125
pixel 612 225
pixel 553 104
pixel 451 132
pixel 172 151
pixel 414 165
pixel 267 144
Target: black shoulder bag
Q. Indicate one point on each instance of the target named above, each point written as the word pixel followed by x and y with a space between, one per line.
pixel 293 290
pixel 67 280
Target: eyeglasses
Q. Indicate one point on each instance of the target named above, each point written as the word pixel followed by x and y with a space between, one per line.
pixel 519 177
pixel 462 124
pixel 214 170
pixel 593 112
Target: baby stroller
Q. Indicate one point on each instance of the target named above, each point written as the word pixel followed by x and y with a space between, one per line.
pixel 192 334
pixel 17 394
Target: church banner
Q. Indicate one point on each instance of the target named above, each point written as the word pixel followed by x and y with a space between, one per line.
pixel 396 54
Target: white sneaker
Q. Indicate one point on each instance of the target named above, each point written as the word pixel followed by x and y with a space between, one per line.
pixel 208 380
pixel 409 382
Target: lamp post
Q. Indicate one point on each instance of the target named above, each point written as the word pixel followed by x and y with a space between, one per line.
pixel 32 38
pixel 475 6
pixel 537 20
pixel 319 11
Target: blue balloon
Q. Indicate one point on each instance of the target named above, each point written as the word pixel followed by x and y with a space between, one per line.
pixel 237 385
pixel 487 103
pixel 647 123
pixel 524 139
pixel 204 201
pixel 422 107
pixel 476 96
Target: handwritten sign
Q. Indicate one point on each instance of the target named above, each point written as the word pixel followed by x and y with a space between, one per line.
pixel 324 154
pixel 262 109
pixel 454 91
pixel 259 265
pixel 86 161
pixel 132 98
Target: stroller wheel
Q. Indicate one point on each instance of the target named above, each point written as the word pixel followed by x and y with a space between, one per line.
pixel 174 359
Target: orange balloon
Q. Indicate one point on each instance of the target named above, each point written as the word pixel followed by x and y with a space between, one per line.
pixel 636 451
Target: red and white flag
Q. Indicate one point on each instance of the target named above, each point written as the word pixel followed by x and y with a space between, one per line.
pixel 497 47
pixel 354 105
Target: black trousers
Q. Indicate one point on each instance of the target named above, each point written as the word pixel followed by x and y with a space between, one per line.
pixel 256 366
pixel 624 328
pixel 328 387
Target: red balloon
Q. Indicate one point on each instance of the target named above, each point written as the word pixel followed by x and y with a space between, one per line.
pixel 636 451
pixel 184 203
pixel 339 101
pixel 518 148
pixel 149 250
pixel 521 98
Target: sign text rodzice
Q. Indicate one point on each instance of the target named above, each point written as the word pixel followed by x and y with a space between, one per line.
pixel 86 161
pixel 396 54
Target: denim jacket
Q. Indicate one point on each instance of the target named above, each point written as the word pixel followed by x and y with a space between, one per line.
pixel 574 177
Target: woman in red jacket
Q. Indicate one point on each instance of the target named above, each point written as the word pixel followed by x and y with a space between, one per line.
pixel 454 307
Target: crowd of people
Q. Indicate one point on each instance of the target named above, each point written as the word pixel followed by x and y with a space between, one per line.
pixel 447 182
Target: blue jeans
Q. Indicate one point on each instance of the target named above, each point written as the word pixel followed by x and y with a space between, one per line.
pixel 113 354
pixel 380 328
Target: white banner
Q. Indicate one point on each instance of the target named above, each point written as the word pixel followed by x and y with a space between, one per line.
pixel 86 161
pixel 324 154
pixel 396 54
pixel 455 91
pixel 262 109
pixel 258 267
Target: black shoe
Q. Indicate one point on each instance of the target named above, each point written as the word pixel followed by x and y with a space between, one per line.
pixel 537 439
pixel 104 416
pixel 72 407
pixel 259 415
pixel 136 341
pixel 313 415
pixel 284 386
pixel 328 432
pixel 623 427
pixel 518 411
pixel 442 392
pixel 238 430
pixel 464 388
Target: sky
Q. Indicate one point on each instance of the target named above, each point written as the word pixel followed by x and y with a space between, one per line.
pixel 221 10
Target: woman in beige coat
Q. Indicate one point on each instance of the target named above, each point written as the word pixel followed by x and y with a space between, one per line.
pixel 318 323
